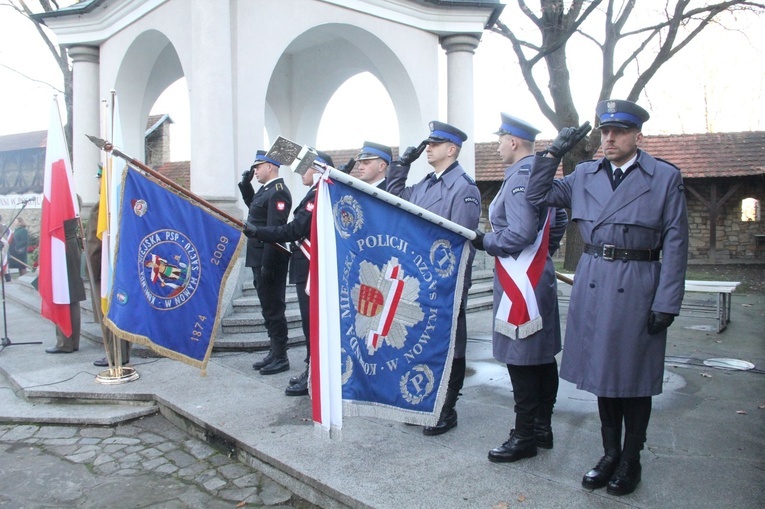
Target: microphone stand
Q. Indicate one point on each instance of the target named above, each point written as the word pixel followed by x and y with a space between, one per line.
pixel 6 341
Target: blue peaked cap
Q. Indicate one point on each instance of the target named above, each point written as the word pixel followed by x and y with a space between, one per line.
pixel 441 132
pixel 517 127
pixel 620 113
pixel 261 157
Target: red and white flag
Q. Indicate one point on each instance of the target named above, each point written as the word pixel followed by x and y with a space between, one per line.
pixel 517 313
pixel 59 204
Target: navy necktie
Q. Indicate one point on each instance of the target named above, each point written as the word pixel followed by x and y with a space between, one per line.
pixel 432 180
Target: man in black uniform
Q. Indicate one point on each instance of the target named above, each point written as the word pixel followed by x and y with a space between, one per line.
pixel 270 206
pixel 374 160
pixel 297 232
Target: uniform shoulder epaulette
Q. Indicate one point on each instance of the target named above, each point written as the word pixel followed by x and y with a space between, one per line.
pixel 585 161
pixel 667 162
pixel 524 170
pixel 279 186
pixel 469 178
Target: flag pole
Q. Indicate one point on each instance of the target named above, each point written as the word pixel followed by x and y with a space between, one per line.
pixel 108 147
pixel 334 173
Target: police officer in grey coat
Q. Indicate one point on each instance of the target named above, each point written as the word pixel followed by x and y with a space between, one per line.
pixel 527 345
pixel 631 211
pixel 451 193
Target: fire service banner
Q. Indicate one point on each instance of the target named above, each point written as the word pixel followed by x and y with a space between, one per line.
pixel 394 304
pixel 173 259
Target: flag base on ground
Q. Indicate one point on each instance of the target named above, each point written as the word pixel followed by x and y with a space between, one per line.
pixel 117 375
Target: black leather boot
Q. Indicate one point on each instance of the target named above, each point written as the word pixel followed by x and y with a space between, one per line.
pixel 521 444
pixel 448 418
pixel 300 388
pixel 543 426
pixel 628 473
pixel 601 474
pixel 265 361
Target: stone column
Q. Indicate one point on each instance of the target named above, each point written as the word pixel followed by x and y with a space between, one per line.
pixel 460 49
pixel 213 175
pixel 85 107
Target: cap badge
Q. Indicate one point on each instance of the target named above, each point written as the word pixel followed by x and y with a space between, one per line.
pixel 611 106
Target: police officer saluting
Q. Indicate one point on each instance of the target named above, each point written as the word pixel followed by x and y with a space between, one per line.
pixel 451 193
pixel 631 212
pixel 373 161
pixel 270 206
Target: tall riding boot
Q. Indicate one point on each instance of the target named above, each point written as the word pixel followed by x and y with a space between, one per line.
pixel 602 472
pixel 543 426
pixel 448 418
pixel 521 444
pixel 627 475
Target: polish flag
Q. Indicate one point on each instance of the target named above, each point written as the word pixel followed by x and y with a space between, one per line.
pixel 59 204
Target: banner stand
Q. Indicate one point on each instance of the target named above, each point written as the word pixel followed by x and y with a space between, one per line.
pixel 117 375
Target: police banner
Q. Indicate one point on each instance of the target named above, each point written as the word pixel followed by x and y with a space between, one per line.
pixel 173 259
pixel 389 287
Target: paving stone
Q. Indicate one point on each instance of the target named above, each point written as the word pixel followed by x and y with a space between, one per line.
pixel 234 471
pixel 167 446
pixel 192 471
pixel 89 441
pixel 219 459
pixel 96 432
pixel 154 463
pixel 132 458
pixel 19 433
pixel 180 458
pixel 56 432
pixel 61 441
pixel 150 453
pixel 252 479
pixel 130 449
pixel 250 495
pixel 167 468
pixel 151 438
pixel 126 472
pixel 214 483
pixel 272 493
pixel 82 457
pixel 65 450
pixel 113 448
pixel 121 441
pixel 107 468
pixel 127 430
pixel 101 459
pixel 199 449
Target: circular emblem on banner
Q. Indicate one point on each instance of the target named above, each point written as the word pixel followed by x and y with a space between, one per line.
pixel 417 384
pixel 168 269
pixel 348 216
pixel 442 257
pixel 139 207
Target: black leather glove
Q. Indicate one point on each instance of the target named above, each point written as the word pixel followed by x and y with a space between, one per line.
pixel 567 138
pixel 347 167
pixel 247 175
pixel 411 154
pixel 658 321
pixel 267 275
pixel 478 240
pixel 250 230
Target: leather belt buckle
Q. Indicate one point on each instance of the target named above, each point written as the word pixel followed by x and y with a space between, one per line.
pixel 608 252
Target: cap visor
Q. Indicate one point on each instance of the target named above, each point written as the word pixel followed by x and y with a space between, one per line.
pixel 623 125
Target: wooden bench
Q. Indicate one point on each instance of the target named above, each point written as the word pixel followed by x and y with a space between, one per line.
pixel 719 310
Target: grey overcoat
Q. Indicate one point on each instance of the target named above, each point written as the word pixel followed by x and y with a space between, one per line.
pixel 607 349
pixel 515 223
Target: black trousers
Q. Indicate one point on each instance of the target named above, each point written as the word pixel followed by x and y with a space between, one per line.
pixel 634 412
pixel 305 317
pixel 272 296
pixel 534 387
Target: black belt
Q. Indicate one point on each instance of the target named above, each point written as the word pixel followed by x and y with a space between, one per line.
pixel 610 253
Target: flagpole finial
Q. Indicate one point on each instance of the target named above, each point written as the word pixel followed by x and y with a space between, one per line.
pixel 102 144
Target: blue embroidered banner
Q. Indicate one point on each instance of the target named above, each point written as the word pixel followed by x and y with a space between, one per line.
pixel 173 259
pixel 400 279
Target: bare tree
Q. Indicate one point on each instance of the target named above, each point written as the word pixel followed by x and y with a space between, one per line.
pixel 59 54
pixel 626 41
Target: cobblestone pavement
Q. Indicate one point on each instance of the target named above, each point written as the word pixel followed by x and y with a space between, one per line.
pixel 148 463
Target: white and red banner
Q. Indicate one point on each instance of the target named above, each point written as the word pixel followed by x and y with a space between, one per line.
pixel 385 288
pixel 517 313
pixel 59 204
